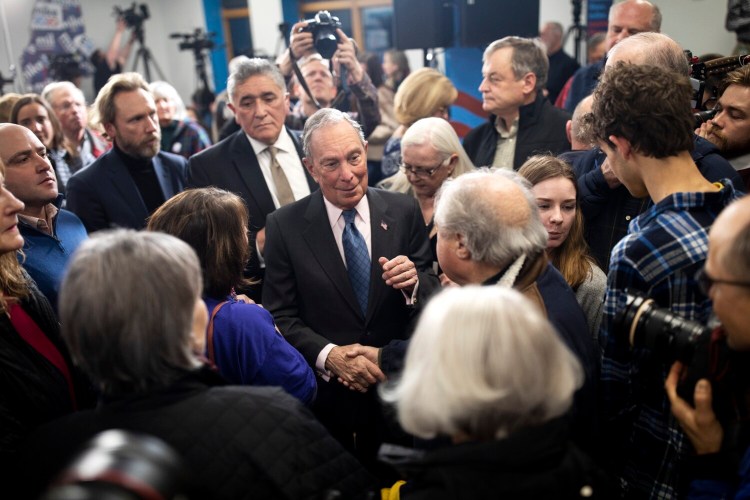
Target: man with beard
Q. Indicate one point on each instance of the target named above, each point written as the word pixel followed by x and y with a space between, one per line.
pixel 127 183
pixel 730 128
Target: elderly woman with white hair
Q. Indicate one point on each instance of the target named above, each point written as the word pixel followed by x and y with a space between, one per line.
pixel 431 153
pixel 485 369
pixel 133 319
pixel 179 134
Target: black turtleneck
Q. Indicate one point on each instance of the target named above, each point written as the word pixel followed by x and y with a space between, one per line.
pixel 143 174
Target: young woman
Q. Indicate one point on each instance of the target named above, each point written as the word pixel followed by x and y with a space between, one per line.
pixel 34 113
pixel 244 344
pixel 554 185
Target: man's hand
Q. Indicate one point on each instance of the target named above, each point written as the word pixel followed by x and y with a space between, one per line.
pixel 260 240
pixel 301 42
pixel 399 273
pixel 699 423
pixel 346 55
pixel 369 352
pixel 705 131
pixel 357 373
pixel 609 175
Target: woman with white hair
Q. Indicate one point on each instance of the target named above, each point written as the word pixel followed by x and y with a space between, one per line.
pixel 485 369
pixel 179 134
pixel 432 153
pixel 134 320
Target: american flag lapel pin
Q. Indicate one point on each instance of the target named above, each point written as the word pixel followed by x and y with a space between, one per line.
pixel 384 225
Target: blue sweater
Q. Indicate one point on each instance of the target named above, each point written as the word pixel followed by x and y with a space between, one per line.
pixel 46 257
pixel 248 350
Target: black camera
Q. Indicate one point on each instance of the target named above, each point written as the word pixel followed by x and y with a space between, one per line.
pixel 134 16
pixel 702 117
pixel 118 464
pixel 702 350
pixel 197 41
pixel 323 28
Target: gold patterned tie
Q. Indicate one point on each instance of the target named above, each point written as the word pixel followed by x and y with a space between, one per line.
pixel 283 189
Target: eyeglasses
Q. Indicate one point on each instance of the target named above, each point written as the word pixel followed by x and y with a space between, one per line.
pixel 422 173
pixel 705 282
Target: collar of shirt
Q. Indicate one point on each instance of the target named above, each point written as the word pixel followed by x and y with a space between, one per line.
pixel 682 201
pixel 506 134
pixel 284 144
pixel 361 221
pixel 44 225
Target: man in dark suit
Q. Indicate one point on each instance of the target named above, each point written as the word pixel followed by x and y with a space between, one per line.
pixel 262 163
pixel 127 183
pixel 345 266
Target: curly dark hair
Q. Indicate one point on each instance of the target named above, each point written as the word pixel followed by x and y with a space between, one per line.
pixel 647 105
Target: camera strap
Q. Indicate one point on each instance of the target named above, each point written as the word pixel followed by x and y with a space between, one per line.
pixel 301 79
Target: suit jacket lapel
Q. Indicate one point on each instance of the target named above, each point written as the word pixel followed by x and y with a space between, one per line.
pixel 383 242
pixel 246 164
pixel 319 237
pixel 164 179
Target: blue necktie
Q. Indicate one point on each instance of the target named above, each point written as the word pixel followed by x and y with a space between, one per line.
pixel 357 260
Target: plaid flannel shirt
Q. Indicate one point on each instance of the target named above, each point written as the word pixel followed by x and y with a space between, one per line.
pixel 664 248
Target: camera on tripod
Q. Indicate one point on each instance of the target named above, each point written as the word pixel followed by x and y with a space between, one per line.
pixel 323 28
pixel 197 41
pixel 134 16
pixel 703 351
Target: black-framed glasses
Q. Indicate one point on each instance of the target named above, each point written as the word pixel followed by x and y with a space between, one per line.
pixel 423 173
pixel 705 281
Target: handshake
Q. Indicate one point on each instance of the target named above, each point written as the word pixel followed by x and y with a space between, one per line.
pixel 355 366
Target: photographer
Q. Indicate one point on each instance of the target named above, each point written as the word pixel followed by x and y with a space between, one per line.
pixel 727 280
pixel 113 61
pixel 344 59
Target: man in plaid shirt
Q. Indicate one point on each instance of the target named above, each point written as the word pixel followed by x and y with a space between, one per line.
pixel 639 119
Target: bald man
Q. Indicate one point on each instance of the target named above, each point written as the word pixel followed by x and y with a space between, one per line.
pixel 490 233
pixel 626 18
pixel 50 234
pixel 606 205
pixel 726 276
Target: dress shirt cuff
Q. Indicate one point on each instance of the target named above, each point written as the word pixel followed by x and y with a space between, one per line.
pixel 411 300
pixel 320 362
pixel 261 260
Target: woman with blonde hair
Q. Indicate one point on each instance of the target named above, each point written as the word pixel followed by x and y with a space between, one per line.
pixel 556 190
pixel 425 92
pixel 431 153
pixel 34 113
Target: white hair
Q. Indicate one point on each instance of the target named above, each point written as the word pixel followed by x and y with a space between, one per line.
pixel 163 90
pixel 484 363
pixel 463 206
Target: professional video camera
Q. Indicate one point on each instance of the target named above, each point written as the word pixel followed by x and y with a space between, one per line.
pixel 705 77
pixel 702 350
pixel 196 41
pixel 7 81
pixel 134 16
pixel 323 28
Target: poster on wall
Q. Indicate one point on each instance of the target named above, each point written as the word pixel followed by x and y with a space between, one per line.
pixel 58 47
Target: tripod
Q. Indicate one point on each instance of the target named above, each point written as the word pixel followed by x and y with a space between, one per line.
pixel 577 29
pixel 143 55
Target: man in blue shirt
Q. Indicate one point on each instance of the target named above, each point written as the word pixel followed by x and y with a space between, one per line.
pixel 640 121
pixel 50 233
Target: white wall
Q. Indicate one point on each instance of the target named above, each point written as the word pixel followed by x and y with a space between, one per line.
pixel 167 16
pixel 697 25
